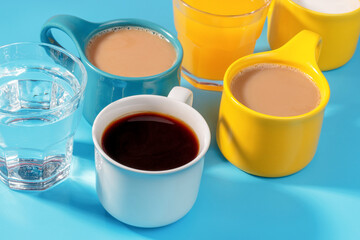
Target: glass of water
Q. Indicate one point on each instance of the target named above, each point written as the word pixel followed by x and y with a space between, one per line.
pixel 41 92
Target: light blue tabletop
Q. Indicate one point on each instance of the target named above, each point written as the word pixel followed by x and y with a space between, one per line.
pixel 320 202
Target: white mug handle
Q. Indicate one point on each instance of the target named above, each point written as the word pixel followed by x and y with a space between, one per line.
pixel 182 94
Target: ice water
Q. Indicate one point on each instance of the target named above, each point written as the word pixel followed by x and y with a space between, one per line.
pixel 39 112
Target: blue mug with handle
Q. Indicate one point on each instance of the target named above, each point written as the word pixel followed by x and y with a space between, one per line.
pixel 104 88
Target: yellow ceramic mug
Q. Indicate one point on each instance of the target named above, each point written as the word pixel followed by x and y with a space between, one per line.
pixel 265 145
pixel 339 32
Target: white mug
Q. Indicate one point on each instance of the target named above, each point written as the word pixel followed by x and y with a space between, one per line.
pixel 150 198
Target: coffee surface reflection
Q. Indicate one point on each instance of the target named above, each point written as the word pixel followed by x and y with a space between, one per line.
pixel 150 141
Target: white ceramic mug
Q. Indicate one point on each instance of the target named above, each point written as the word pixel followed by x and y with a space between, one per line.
pixel 150 198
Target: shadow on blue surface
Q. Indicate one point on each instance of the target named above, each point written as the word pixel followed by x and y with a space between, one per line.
pixel 74 194
pixel 208 103
pixel 77 194
pixel 336 163
pixel 84 150
pixel 225 212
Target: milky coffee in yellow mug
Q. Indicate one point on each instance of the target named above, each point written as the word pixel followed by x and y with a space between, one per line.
pixel 338 28
pixel 267 145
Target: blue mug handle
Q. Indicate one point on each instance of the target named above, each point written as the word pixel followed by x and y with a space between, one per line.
pixel 76 28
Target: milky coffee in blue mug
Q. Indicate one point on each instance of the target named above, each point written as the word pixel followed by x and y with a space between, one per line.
pixel 104 87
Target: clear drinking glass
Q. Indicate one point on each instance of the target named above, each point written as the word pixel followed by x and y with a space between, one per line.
pixel 41 91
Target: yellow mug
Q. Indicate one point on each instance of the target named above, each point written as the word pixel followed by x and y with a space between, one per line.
pixel 339 32
pixel 265 145
pixel 214 34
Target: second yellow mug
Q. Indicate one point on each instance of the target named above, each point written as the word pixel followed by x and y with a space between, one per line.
pixel 265 145
pixel 339 32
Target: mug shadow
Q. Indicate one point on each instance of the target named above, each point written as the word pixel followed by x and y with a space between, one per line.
pixel 335 164
pixel 84 150
pixel 78 193
pixel 207 103
pixel 225 212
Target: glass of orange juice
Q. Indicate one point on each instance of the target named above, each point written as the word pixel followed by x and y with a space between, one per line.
pixel 214 34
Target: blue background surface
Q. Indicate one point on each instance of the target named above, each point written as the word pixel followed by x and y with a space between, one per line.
pixel 320 202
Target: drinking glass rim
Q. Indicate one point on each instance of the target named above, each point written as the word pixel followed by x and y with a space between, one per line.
pixel 77 94
pixel 266 3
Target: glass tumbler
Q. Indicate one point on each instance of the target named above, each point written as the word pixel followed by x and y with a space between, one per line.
pixel 41 92
pixel 214 34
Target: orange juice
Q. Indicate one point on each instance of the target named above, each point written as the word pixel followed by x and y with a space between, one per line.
pixel 215 33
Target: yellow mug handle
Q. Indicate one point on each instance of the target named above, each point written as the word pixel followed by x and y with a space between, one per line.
pixel 304 47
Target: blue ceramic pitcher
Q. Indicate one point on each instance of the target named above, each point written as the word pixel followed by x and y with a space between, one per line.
pixel 104 88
